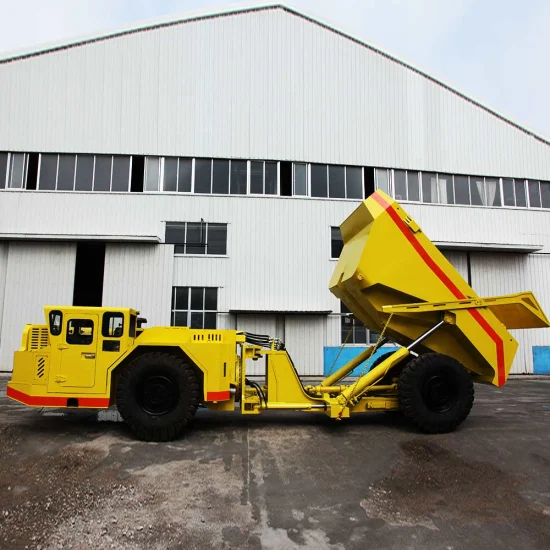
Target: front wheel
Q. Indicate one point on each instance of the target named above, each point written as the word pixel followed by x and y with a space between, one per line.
pixel 435 392
pixel 157 395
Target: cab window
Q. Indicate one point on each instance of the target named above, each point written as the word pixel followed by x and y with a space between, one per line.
pixel 80 332
pixel 56 322
pixel 113 325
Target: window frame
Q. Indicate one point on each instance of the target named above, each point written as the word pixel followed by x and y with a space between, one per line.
pixel 185 244
pixel 55 312
pixel 112 315
pixel 67 335
pixel 249 178
pixel 189 311
pixel 305 165
pixel 369 340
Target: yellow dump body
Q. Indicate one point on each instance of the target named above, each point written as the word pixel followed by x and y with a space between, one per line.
pixel 387 260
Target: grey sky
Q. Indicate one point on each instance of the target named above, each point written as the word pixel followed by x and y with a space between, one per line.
pixel 495 51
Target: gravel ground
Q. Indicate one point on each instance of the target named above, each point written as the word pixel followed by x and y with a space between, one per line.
pixel 281 480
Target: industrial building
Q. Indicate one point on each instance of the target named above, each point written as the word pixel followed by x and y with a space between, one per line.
pixel 197 169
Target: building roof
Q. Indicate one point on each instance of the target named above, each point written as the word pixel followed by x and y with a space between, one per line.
pixel 173 20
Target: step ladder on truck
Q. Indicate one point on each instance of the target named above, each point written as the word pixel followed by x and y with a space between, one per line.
pixel 389 275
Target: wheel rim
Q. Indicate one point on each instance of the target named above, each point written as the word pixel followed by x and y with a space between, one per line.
pixel 440 393
pixel 157 395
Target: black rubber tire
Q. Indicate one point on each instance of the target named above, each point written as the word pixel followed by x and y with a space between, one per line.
pixel 157 396
pixel 435 392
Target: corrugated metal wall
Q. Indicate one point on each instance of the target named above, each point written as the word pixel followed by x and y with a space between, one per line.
pixel 139 276
pixel 305 337
pixel 37 274
pixel 264 84
pixel 509 273
pixel 4 248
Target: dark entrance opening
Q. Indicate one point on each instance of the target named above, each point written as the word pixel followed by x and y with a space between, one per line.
pixel 88 275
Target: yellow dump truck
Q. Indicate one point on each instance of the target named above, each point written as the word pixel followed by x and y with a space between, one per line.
pixel 389 275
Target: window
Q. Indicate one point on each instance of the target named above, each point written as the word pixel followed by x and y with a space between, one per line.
pixel 177 173
pixel 484 191
pixel 336 242
pixel 429 187
pixel 514 192
pixel 406 185
pixel 121 174
pixel 300 179
pixel 382 180
pixel 545 193
pixel 263 178
pixel 80 332
pixel 238 177
pixel 194 307
pixel 197 237
pixel 3 169
pixel 462 190
pixel 133 322
pixel 203 176
pixel 152 174
pixel 534 193
pixel 66 172
pixel 319 180
pixel 336 182
pixel 84 173
pixel 354 182
pixel 220 177
pixel 56 322
pixel 112 325
pixel 354 331
pixel 17 170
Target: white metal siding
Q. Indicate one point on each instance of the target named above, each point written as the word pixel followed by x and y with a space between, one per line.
pixel 139 276
pixel 510 273
pixel 38 274
pixel 459 261
pixel 305 337
pixel 265 84
pixel 4 248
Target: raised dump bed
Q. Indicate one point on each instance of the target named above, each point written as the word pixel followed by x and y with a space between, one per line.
pixel 389 268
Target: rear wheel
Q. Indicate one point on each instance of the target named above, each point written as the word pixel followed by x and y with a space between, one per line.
pixel 157 395
pixel 435 392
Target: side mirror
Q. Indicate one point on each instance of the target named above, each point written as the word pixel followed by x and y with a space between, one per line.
pixel 141 321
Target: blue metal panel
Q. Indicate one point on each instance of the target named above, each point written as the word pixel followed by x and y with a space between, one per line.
pixel 348 354
pixel 541 359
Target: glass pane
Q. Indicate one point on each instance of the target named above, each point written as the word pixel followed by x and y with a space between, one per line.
pixel 184 175
pixel 545 193
pixel 521 195
pixel 429 187
pixel 359 335
pixel 400 185
pixel 534 194
pixel 508 189
pixel 102 175
pixel 180 319
pixel 270 178
pixel 17 170
pixel 152 169
pixel 336 182
pixel 84 172
pixel 121 174
pixel 196 320
pixel 65 174
pixel 373 337
pixel 476 191
pixel 211 299
pixel 196 238
pixel 48 172
pixel 210 320
pixel 462 192
pixel 300 179
pixel 354 182
pixel 257 178
pixel 319 180
pixel 382 179
pixel 175 233
pixel 179 249
pixel 3 169
pixel 220 173
pixel 181 296
pixel 203 176
pixel 336 243
pixel 413 187
pixel 445 188
pixel 170 180
pixel 238 177
pixel 197 298
pixel 217 239
pixel 492 192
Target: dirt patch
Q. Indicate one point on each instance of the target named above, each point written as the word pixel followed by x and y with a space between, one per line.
pixel 432 483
